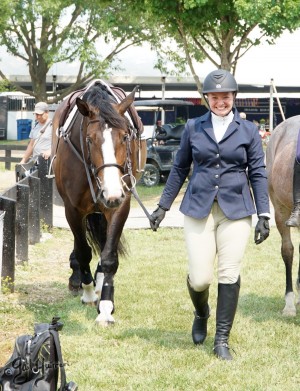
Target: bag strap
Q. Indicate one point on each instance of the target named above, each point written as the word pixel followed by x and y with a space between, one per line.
pixel 63 379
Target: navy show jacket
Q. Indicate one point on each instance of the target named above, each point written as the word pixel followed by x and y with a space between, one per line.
pixel 223 170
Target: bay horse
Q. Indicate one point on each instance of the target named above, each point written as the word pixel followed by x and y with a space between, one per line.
pixel 96 162
pixel 280 158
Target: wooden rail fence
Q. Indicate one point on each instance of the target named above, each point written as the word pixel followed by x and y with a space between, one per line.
pixel 9 158
pixel 25 205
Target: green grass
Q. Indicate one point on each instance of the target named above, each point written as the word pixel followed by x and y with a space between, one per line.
pixel 150 346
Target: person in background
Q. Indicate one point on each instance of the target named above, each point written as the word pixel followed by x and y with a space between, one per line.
pixel 226 154
pixel 40 136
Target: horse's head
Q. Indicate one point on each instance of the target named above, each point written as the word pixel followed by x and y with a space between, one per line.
pixel 106 134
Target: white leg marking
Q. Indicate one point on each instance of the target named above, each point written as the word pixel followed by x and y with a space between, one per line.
pixel 88 296
pixel 105 317
pixel 289 309
pixel 111 181
pixel 99 283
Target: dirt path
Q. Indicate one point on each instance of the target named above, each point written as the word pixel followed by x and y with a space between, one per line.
pixel 7 179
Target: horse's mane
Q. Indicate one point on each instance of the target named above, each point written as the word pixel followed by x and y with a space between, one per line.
pixel 101 101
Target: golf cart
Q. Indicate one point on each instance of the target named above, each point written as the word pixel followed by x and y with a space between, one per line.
pixel 164 121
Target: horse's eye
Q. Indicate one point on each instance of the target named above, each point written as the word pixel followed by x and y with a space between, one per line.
pixel 88 139
pixel 125 138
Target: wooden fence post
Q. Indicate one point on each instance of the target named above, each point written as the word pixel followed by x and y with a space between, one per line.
pixel 22 218
pixel 46 191
pixel 20 194
pixel 8 255
pixel 2 214
pixel 8 157
pixel 34 227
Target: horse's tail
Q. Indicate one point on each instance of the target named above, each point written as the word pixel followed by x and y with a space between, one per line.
pixel 96 229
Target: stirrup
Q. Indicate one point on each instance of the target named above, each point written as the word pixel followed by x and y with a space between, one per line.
pixel 294 219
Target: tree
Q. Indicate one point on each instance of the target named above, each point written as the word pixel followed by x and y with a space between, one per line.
pixel 5 85
pixel 221 31
pixel 44 32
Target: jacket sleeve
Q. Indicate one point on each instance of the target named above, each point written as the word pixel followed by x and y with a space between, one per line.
pixel 257 174
pixel 180 169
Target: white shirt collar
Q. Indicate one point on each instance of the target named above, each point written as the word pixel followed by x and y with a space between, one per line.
pixel 220 124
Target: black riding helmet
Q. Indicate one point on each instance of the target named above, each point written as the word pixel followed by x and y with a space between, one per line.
pixel 219 81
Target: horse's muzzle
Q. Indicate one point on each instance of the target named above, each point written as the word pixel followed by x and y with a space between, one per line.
pixel 112 201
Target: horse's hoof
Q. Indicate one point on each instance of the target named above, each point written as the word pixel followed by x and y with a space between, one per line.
pixel 104 322
pixel 289 309
pixel 74 290
pixel 290 312
pixel 89 303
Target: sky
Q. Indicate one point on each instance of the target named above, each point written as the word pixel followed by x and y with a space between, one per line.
pixel 280 62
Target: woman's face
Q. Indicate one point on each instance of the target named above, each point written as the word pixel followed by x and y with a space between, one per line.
pixel 220 103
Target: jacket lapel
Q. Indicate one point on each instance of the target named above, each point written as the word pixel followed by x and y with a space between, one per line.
pixel 207 126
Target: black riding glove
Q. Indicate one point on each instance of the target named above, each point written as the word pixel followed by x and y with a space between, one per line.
pixel 157 217
pixel 262 229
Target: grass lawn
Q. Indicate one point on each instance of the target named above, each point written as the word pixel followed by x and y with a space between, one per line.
pixel 150 346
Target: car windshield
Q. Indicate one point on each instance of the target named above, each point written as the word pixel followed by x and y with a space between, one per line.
pixel 167 113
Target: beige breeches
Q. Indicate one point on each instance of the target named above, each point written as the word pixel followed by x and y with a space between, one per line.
pixel 213 236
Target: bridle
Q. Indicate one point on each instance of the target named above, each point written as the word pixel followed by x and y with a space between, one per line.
pixel 94 169
pixel 89 168
pixel 126 168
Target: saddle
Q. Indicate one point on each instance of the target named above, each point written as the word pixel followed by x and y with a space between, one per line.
pixel 116 92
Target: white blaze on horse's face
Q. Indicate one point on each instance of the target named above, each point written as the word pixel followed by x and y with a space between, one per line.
pixel 112 190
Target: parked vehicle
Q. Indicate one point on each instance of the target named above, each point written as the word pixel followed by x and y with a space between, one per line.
pixel 163 139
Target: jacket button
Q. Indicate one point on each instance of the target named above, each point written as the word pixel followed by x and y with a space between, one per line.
pixel 216 176
pixel 217 165
pixel 216 187
pixel 217 155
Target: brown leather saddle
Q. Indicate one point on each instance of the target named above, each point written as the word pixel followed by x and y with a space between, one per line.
pixel 117 92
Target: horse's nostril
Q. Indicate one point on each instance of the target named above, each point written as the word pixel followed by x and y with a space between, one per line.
pixel 114 203
pixel 111 201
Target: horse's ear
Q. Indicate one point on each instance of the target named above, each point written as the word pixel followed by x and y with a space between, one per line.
pixel 82 107
pixel 123 106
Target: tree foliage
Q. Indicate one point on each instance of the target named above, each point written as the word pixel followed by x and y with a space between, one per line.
pixel 221 31
pixel 44 32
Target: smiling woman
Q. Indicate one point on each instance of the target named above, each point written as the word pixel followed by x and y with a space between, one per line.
pixel 227 156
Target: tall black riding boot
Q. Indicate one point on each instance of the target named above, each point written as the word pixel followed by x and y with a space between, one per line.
pixel 294 220
pixel 200 301
pixel 228 295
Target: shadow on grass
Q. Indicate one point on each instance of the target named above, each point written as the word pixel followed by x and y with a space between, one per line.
pixel 264 308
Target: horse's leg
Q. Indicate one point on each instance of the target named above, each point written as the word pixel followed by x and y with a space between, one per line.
pixel 287 253
pixel 110 263
pixel 83 255
pixel 298 279
pixel 75 278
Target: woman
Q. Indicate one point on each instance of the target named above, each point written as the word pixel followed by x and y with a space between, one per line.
pixel 226 153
